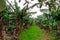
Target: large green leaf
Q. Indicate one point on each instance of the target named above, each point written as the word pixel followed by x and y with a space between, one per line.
pixel 2 5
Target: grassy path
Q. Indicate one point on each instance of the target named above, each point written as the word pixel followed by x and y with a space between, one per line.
pixel 33 33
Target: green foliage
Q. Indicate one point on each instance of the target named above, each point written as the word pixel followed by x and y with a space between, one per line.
pixel 47 20
pixel 22 15
pixel 11 15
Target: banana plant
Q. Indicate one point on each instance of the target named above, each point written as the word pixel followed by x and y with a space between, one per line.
pixel 2 8
pixel 22 17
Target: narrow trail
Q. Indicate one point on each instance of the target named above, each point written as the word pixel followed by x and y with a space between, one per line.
pixel 45 36
pixel 33 33
pixel 38 34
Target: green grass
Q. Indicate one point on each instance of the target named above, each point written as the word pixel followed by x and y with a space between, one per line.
pixel 33 33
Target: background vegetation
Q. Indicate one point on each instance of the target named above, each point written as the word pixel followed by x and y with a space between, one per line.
pixel 16 23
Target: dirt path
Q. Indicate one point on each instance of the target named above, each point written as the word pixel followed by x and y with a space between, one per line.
pixel 45 36
pixel 6 37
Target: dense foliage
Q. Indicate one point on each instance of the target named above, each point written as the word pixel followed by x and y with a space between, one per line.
pixel 13 19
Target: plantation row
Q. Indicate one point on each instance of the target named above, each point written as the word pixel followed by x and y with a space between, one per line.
pixel 13 19
pixel 50 22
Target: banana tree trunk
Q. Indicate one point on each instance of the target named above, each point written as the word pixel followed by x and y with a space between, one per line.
pixel 17 26
pixel 1 28
pixel 3 31
pixel 16 30
pixel 58 28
